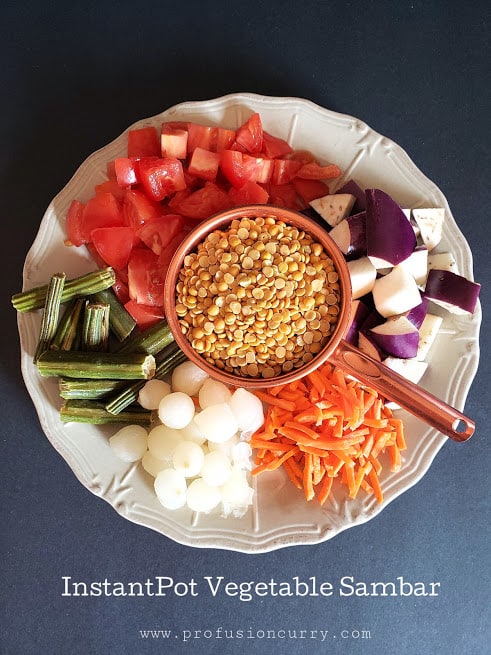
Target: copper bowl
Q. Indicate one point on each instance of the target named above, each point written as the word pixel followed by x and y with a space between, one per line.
pixel 337 350
pixel 223 220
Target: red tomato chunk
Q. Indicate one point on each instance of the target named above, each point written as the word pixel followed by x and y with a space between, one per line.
pixel 169 178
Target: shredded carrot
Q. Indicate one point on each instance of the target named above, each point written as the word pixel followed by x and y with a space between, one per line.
pixel 328 426
pixel 274 400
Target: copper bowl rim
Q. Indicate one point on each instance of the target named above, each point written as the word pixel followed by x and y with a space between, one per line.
pixel 221 220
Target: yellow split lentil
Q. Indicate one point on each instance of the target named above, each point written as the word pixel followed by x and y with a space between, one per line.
pixel 259 298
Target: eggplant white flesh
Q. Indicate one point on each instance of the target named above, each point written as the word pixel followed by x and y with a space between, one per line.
pixel 430 223
pixel 350 235
pixel 354 189
pixel 444 261
pixel 362 273
pixel 417 264
pixel 454 292
pixel 411 369
pixel 428 332
pixel 390 236
pixel 333 207
pixel 395 293
pixel 397 336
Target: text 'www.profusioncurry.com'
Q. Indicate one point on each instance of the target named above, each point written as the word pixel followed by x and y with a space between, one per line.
pixel 287 634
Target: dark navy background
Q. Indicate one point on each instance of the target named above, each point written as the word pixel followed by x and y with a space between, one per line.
pixel 73 77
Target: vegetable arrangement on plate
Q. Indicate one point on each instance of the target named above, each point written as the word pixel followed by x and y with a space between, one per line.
pixel 132 225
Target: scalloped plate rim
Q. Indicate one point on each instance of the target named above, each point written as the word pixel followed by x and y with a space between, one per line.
pixel 223 538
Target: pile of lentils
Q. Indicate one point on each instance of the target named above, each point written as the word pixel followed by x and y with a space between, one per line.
pixel 258 299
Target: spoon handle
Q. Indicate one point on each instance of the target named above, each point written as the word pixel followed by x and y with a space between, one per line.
pixel 398 389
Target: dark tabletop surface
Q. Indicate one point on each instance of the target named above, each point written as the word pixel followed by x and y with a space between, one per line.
pixel 73 77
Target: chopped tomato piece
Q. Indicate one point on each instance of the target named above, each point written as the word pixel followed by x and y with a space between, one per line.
pixel 110 186
pixel 238 147
pixel 167 254
pixel 204 164
pixel 232 166
pixel 176 125
pixel 143 142
pixel 283 195
pixel 200 136
pixel 102 210
pixel 265 169
pixel 314 171
pixel 174 140
pixel 250 134
pixel 284 170
pixel 204 202
pixel 145 278
pixel 175 202
pixel 158 232
pixel 303 156
pixel 240 168
pixel 274 147
pixel 125 171
pixel 162 177
pixel 120 289
pixel 74 224
pixel 100 263
pixel 250 193
pixel 144 315
pixel 113 244
pixel 138 209
pixel 224 139
pixel 310 189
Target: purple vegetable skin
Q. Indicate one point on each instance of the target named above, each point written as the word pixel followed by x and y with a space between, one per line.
pixel 368 345
pixel 359 312
pixel 417 314
pixel 352 187
pixel 351 236
pixel 452 289
pixel 398 338
pixel 389 233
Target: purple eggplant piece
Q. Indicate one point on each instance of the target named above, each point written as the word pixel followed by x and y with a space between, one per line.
pixel 368 345
pixel 355 189
pixel 417 314
pixel 351 236
pixel 359 312
pixel 373 319
pixel 390 235
pixel 452 289
pixel 398 337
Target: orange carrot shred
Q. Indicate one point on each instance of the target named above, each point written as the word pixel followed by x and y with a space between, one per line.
pixel 274 400
pixel 326 426
pixel 325 489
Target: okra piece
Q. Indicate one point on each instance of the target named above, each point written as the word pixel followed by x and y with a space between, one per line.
pixel 95 330
pixel 85 285
pixel 92 411
pixel 152 340
pixel 68 331
pixel 51 313
pixel 96 365
pixel 168 360
pixel 121 322
pixel 87 389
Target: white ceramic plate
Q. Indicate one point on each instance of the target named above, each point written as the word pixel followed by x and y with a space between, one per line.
pixel 279 516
